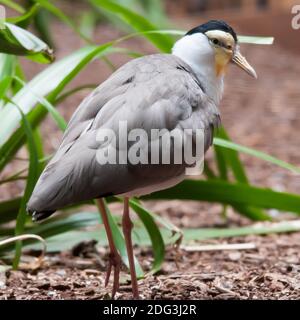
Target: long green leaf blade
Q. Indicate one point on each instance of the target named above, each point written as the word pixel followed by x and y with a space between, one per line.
pixel 230 193
pixel 33 174
pixel 137 22
pixel 257 154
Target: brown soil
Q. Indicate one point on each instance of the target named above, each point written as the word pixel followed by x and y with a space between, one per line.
pixel 263 114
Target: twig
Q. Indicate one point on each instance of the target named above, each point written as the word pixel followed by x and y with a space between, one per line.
pixel 38 260
pixel 216 247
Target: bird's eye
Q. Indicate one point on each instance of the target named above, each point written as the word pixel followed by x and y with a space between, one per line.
pixel 229 47
pixel 215 41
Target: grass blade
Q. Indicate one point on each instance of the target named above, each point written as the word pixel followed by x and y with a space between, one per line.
pixel 256 229
pixel 32 177
pixel 13 5
pixel 230 193
pixel 60 15
pixel 257 154
pixel 154 234
pixel 137 22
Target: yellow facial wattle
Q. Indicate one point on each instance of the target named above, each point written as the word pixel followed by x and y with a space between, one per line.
pixel 221 61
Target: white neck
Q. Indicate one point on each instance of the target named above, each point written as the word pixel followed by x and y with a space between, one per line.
pixel 197 52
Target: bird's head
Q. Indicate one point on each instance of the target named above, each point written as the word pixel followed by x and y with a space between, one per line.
pixel 213 41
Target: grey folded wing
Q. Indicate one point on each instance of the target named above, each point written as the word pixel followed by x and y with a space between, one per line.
pixel 152 92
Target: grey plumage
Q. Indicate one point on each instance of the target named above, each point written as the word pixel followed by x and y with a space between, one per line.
pixel 156 91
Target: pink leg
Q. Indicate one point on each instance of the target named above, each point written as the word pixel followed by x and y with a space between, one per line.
pixel 114 256
pixel 127 228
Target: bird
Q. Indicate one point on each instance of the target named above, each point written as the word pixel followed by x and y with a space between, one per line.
pixel 177 90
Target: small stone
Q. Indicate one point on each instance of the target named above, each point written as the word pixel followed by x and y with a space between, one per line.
pixel 61 272
pixel 51 293
pixel 234 255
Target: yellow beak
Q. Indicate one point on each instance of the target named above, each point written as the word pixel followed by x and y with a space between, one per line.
pixel 241 61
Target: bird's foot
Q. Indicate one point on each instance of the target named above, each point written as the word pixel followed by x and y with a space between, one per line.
pixel 114 262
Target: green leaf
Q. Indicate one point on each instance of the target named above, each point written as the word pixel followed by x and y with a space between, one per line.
pixel 24 20
pixel 51 80
pixel 154 234
pixel 63 17
pixel 7 64
pixel 42 23
pixel 258 229
pixel 13 5
pixel 230 193
pixel 9 210
pixel 231 157
pixel 17 41
pixel 137 22
pixel 241 39
pixel 38 140
pixel 87 25
pixel 57 226
pixel 67 240
pixel 32 177
pixel 257 154
pixel 4 86
pixel 58 118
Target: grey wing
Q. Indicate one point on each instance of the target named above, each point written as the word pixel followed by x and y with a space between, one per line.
pixel 157 91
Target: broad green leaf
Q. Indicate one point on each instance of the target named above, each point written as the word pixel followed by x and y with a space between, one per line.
pixel 230 193
pixel 137 22
pixel 18 41
pixel 257 154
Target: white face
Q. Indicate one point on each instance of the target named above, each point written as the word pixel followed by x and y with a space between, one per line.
pixel 227 50
pixel 224 45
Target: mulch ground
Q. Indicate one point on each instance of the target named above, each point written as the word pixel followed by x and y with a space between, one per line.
pixel 272 271
pixel 263 114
